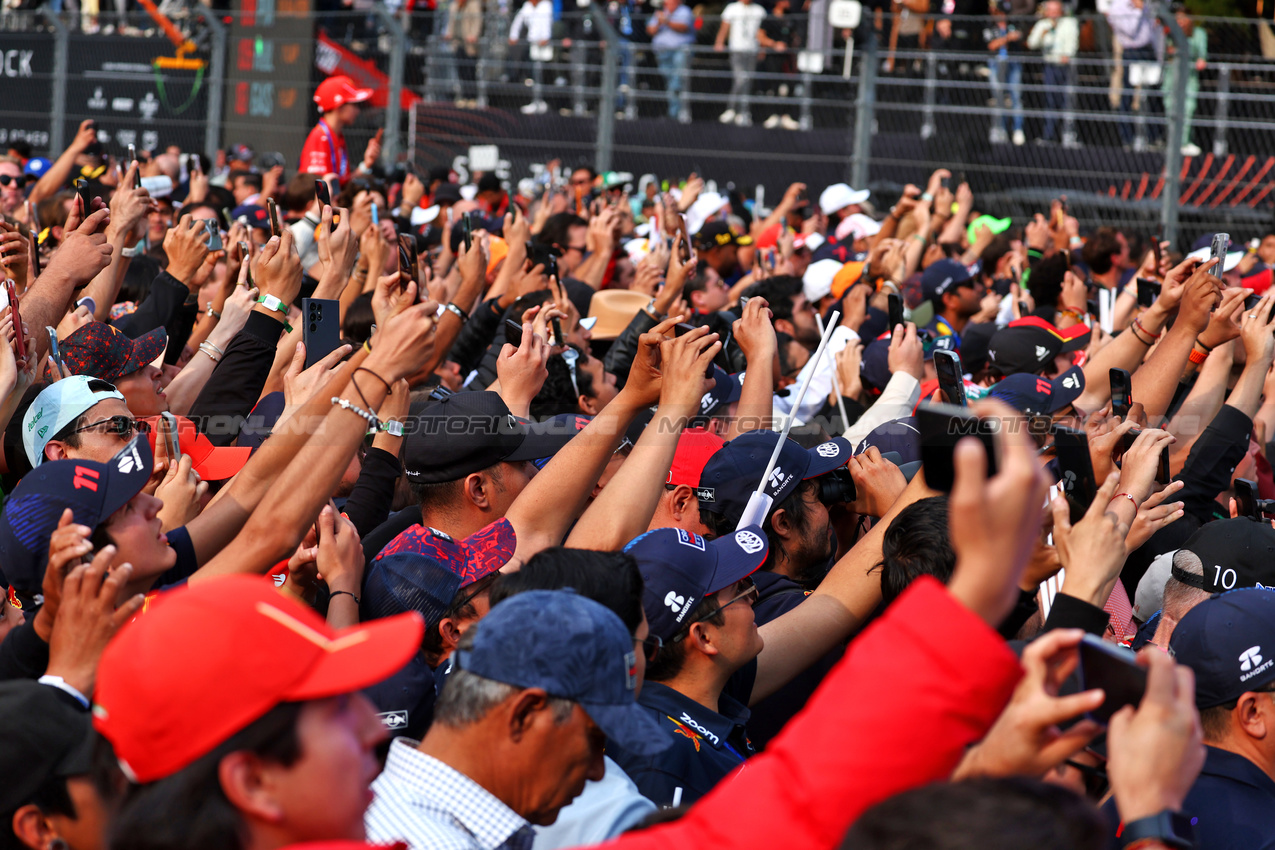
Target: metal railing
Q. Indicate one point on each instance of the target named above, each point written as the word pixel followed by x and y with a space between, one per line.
pixel 1118 143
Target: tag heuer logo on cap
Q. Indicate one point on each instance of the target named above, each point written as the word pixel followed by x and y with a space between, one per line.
pixel 828 450
pixel 1042 353
pixel 749 542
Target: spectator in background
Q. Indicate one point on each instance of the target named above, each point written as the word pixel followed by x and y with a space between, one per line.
pixel 12 181
pixel 1057 36
pixel 1198 45
pixel 1005 42
pixel 1134 25
pixel 536 17
pixel 741 24
pixel 781 36
pixel 464 28
pixel 672 32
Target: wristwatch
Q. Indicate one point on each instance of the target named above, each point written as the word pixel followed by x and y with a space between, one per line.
pixel 1172 829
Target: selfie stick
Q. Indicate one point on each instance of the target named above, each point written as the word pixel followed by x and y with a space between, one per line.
pixel 759 503
pixel 836 382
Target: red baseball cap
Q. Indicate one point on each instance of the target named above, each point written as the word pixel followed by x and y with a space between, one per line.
pixel 212 463
pixel 205 661
pixel 694 448
pixel 338 91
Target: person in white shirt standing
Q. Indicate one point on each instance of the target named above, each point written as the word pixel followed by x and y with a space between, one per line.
pixel 536 16
pixel 741 23
pixel 1057 36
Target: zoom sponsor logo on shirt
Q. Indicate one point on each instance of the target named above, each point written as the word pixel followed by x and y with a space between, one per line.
pixel 686 718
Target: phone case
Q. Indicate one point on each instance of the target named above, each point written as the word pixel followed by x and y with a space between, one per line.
pixel 320 328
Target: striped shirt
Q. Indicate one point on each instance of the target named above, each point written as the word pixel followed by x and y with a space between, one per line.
pixel 430 806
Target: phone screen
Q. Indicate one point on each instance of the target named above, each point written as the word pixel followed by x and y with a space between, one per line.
pixel 896 312
pixel 1115 670
pixel 948 366
pixel 1121 392
pixel 406 260
pixel 1148 292
pixel 275 229
pixel 82 191
pixel 942 426
pixel 1075 466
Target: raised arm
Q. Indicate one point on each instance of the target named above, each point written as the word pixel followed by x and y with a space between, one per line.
pixel 83 253
pixel 1156 381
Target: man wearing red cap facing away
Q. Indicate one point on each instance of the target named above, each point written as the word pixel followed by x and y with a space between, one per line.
pixel 324 151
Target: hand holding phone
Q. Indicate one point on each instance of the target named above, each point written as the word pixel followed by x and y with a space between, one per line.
pixel 1121 392
pixel 1221 242
pixel 171 441
pixel 1148 292
pixel 1115 670
pixel 82 193
pixel 896 312
pixel 941 427
pixel 947 364
pixel 275 228
pixel 324 196
pixel 1075 466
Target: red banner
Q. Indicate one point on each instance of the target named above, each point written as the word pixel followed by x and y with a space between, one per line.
pixel 332 58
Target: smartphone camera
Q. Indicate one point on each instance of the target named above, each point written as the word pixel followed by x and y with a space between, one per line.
pixel 315 317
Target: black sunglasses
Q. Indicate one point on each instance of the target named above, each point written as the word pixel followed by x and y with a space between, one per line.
pixel 21 180
pixel 119 426
pixel 748 590
pixel 651 646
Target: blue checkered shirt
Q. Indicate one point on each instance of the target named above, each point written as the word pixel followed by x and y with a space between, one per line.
pixel 431 806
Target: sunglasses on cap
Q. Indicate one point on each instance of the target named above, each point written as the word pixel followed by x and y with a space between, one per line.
pixel 21 180
pixel 119 426
pixel 748 591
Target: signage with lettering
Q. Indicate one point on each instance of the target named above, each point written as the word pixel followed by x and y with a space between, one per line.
pixel 26 77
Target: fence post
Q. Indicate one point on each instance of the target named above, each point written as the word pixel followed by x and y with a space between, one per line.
pixel 864 112
pixel 1223 108
pixel 606 101
pixel 394 102
pixel 578 57
pixel 931 82
pixel 1173 134
pixel 1070 139
pixel 216 84
pixel 57 121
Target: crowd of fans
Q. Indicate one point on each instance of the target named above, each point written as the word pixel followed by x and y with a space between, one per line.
pixel 442 515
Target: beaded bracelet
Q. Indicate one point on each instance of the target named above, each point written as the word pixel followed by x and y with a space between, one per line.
pixel 346 404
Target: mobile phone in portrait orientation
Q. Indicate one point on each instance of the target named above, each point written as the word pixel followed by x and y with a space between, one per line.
pixel 1113 668
pixel 273 209
pixel 1221 242
pixel 171 440
pixel 196 164
pixel 1075 468
pixel 558 338
pixel 467 232
pixel 33 238
pixel 513 333
pixel 895 311
pixel 951 378
pixel 376 215
pixel 212 235
pixel 1246 498
pixel 324 196
pixel 320 328
pixel 132 154
pixel 941 427
pixel 1121 392
pixel 407 261
pixel 1148 292
pixel 82 192
pixel 19 339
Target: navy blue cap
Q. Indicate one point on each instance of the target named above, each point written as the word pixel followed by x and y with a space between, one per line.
pixel 1236 553
pixel 568 424
pixel 734 471
pixel 679 569
pixel 939 278
pixel 1039 395
pixel 408 582
pixel 874 364
pixel 726 390
pixel 899 436
pixel 92 490
pixel 1229 641
pixel 256 215
pixel 574 649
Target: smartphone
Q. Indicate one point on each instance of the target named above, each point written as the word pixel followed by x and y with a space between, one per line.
pixel 82 192
pixel 171 440
pixel 19 340
pixel 196 165
pixel 467 231
pixel 320 329
pixel 33 239
pixel 896 312
pixel 212 235
pixel 1221 241
pixel 513 333
pixel 406 260
pixel 951 377
pixel 376 215
pixel 1121 392
pixel 558 338
pixel 683 328
pixel 1075 467
pixel 1148 292
pixel 941 427
pixel 1024 309
pixel 1246 498
pixel 684 252
pixel 1113 668
pixel 1250 303
pixel 275 229
pixel 132 154
pixel 324 195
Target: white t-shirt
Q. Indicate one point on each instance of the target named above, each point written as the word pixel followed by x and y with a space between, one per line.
pixel 744 19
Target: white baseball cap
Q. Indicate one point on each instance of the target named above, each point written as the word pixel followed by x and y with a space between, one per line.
pixel 817 281
pixel 57 406
pixel 1230 261
pixel 838 196
pixel 705 207
pixel 860 225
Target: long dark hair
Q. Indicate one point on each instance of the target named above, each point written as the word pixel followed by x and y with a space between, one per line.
pixel 189 810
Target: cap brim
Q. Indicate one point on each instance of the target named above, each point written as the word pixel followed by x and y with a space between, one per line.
pixel 359 96
pixel 361 656
pixel 630 726
pixel 220 462
pixel 538 444
pixel 145 349
pixel 487 550
pixel 1075 337
pixel 1064 392
pixel 735 561
pixel 823 459
pixel 588 322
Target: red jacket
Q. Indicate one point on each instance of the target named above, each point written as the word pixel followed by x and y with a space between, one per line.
pixel 324 153
pixel 917 687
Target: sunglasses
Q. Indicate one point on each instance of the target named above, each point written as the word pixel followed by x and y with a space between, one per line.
pixel 749 592
pixel 21 180
pixel 651 646
pixel 119 426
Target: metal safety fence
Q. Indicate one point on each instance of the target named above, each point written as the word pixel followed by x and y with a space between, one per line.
pixel 1175 134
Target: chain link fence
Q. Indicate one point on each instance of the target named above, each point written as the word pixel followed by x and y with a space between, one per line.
pixel 1171 135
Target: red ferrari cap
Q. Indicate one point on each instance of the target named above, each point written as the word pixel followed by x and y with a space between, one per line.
pixel 203 662
pixel 694 448
pixel 338 91
pixel 212 463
